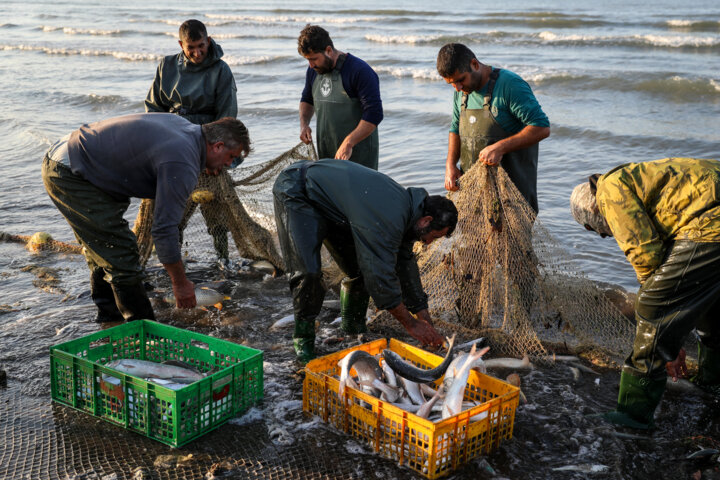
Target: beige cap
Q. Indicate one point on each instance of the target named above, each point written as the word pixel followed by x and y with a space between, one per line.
pixel 585 211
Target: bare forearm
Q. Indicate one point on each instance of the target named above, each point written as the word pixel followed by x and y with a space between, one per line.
pixel 306 113
pixel 453 154
pixel 530 135
pixel 360 133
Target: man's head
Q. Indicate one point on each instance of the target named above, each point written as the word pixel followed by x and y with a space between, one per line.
pixel 315 44
pixel 459 67
pixel 439 219
pixel 583 206
pixel 194 40
pixel 225 140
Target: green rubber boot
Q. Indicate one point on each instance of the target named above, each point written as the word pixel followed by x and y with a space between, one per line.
pixel 304 349
pixel 708 377
pixel 637 400
pixel 354 301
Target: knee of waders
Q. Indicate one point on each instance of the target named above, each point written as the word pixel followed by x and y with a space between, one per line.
pixel 354 301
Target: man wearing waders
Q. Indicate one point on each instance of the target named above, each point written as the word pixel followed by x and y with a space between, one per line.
pixel 345 93
pixel 199 86
pixel 369 224
pixel 92 173
pixel 665 216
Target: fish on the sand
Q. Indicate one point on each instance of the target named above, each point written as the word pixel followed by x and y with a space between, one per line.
pixel 415 374
pixel 284 322
pixel 264 266
pixel 512 363
pixel 146 369
pixel 204 297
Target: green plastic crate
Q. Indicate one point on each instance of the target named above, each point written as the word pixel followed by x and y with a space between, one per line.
pixel 175 417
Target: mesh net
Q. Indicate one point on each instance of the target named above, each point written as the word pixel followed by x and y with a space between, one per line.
pixel 503 276
pixel 238 202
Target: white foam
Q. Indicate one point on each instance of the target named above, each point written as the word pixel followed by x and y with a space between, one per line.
pixel 410 39
pixel 291 19
pixel 408 72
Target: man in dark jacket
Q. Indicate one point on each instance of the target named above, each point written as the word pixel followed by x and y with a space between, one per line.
pixel 345 93
pixel 369 223
pixel 91 174
pixel 199 86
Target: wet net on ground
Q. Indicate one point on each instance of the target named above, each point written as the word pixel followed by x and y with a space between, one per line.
pixel 238 201
pixel 503 276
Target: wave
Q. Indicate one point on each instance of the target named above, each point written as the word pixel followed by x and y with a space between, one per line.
pixel 408 72
pixel 540 22
pixel 264 19
pixel 128 56
pixel 8 25
pixel 356 11
pixel 638 41
pixel 693 25
pixel 246 36
pixel 81 31
pixel 259 60
pixel 92 100
pixel 442 39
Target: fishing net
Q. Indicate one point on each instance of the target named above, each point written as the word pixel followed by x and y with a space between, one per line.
pixel 503 276
pixel 239 202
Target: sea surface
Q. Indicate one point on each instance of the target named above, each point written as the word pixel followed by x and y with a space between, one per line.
pixel 621 81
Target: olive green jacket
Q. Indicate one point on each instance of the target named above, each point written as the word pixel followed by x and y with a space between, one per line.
pixel 199 93
pixel 651 204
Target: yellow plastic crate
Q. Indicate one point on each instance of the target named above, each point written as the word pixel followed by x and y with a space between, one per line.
pixel 432 449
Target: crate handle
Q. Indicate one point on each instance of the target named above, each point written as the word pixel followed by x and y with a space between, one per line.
pixel 99 342
pixel 199 344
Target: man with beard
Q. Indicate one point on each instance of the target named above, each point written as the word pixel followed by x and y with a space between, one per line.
pixel 369 224
pixel 345 92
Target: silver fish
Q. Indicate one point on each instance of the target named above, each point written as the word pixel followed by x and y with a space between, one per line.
pixel 364 364
pixel 389 375
pixel 413 391
pixel 264 266
pixel 283 322
pixel 426 407
pixel 147 369
pixel 456 392
pixel 513 363
pixel 418 375
pixel 478 364
pixel 204 297
pixel 391 393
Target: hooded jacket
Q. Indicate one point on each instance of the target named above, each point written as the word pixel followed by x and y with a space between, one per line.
pixel 199 93
pixel 649 205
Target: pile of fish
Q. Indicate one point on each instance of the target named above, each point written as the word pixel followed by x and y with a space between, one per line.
pixel 412 388
pixel 170 374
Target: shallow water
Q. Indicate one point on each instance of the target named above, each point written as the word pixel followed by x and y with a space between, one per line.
pixel 620 81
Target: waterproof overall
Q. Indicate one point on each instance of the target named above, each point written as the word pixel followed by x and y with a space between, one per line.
pixel 337 116
pixel 478 129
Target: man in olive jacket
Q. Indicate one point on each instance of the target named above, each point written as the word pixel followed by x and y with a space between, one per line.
pixel 369 223
pixel 665 216
pixel 199 86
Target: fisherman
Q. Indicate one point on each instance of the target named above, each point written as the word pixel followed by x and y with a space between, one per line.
pixel 665 216
pixel 91 174
pixel 369 224
pixel 496 120
pixel 199 86
pixel 345 92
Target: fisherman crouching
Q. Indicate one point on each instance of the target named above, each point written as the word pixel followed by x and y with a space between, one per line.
pixel 91 174
pixel 665 216
pixel 369 224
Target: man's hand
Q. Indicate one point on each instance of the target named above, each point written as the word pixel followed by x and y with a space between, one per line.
pixel 419 327
pixel 677 368
pixel 491 155
pixel 306 135
pixel 184 294
pixel 452 173
pixel 345 150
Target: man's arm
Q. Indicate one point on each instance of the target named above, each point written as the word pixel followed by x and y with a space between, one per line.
pixel 153 102
pixel 183 289
pixel 530 135
pixel 306 113
pixel 226 95
pixel 452 172
pixel 419 327
pixel 360 133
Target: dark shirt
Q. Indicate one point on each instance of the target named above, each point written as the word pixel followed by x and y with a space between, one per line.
pixel 145 155
pixel 359 81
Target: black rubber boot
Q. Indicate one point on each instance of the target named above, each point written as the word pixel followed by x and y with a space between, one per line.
pixel 637 400
pixel 102 295
pixel 354 301
pixel 220 241
pixel 708 377
pixel 133 302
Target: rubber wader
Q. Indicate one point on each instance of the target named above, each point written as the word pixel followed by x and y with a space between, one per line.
pixel 133 302
pixel 477 129
pixel 354 301
pixel 337 116
pixel 637 400
pixel 102 294
pixel 708 376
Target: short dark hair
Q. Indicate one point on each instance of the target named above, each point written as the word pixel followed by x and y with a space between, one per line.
pixel 443 213
pixel 313 39
pixel 192 30
pixel 454 57
pixel 231 131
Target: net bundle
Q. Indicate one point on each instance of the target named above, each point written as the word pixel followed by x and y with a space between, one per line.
pixel 502 275
pixel 238 201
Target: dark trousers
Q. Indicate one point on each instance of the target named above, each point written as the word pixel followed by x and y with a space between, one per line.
pixel 682 294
